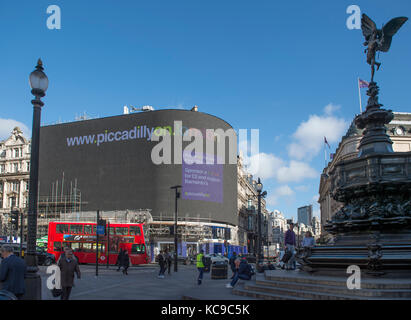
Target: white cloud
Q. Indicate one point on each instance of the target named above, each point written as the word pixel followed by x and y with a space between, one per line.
pixel 315 198
pixel 309 137
pixel 295 172
pixel 7 126
pixel 281 192
pixel 268 166
pixel 330 108
pixel 302 188
pixel 284 191
pixel 264 165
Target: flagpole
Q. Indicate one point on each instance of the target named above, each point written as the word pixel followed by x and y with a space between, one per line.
pixel 359 94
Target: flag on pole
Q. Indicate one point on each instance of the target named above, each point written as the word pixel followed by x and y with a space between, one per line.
pixel 363 83
pixel 326 142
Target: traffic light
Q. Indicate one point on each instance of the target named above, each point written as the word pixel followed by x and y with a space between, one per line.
pixel 15 219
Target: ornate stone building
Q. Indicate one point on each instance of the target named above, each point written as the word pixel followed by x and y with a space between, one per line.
pixel 247 209
pixel 279 227
pixel 399 130
pixel 14 175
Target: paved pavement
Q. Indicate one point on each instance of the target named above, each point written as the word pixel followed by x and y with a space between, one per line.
pixel 142 283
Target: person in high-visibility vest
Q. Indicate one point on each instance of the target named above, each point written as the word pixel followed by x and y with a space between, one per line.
pixel 200 266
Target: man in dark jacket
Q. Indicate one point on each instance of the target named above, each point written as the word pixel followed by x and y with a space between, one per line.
pixel 161 263
pixel 12 272
pixel 125 261
pixel 68 266
pixel 289 241
pixel 232 264
pixel 120 259
pixel 244 272
pixel 168 260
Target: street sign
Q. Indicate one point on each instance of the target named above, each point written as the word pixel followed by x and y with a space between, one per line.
pixel 100 230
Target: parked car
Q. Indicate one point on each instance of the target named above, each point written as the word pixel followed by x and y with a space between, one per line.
pixel 43 257
pixel 217 257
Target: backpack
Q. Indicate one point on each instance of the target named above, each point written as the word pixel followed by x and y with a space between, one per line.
pixel 249 270
pixel 287 256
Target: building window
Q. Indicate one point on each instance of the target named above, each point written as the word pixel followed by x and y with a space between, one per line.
pixel 249 204
pixel 27 184
pixel 3 154
pixel 16 152
pixel 25 202
pixel 15 186
pixel 28 166
pixel 2 168
pixel 15 167
pixel 1 187
pixel 12 202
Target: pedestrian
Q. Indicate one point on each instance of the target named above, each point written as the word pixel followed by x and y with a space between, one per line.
pixel 68 266
pixel 161 263
pixel 308 241
pixel 244 272
pixel 12 272
pixel 120 259
pixel 200 266
pixel 231 262
pixel 169 260
pixel 290 243
pixel 125 262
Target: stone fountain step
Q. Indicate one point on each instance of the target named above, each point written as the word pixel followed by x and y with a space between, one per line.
pixel 305 278
pixel 261 295
pixel 291 285
pixel 336 290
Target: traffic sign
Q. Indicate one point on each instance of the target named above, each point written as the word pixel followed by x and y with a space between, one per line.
pixel 100 230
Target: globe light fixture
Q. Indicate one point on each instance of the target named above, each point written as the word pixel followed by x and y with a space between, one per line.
pixel 38 80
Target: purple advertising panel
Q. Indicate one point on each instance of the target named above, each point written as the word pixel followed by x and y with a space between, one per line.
pixel 202 181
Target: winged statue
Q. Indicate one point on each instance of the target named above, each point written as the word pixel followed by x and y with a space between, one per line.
pixel 378 39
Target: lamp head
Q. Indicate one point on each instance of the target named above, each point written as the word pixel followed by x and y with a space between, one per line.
pixel 259 185
pixel 38 80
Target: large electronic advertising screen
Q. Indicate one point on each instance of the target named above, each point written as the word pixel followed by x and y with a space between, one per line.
pixel 110 161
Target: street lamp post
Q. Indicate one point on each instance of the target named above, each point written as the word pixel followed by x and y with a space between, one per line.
pixel 39 84
pixel 176 188
pixel 261 194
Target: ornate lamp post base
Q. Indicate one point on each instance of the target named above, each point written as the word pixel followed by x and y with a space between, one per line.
pixel 33 286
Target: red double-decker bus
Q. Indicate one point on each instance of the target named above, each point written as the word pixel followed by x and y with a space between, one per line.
pixel 82 238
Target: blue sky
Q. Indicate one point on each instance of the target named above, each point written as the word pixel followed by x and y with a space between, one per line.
pixel 269 65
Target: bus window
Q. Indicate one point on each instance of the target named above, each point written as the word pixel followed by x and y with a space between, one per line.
pixel 88 229
pixel 57 246
pixel 87 247
pixel 135 230
pixel 111 230
pixel 75 246
pixel 76 228
pixel 122 231
pixel 138 248
pixel 66 245
pixel 62 228
pixel 135 248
